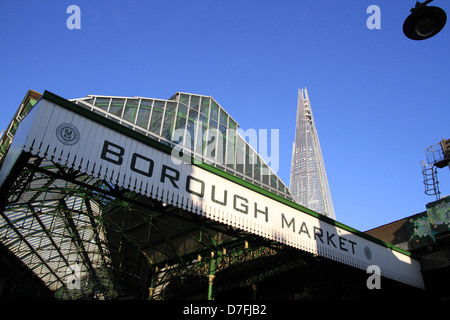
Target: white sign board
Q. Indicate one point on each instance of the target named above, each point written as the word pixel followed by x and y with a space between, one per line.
pixel 98 148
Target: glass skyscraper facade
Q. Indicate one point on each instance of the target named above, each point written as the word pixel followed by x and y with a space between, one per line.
pixel 309 182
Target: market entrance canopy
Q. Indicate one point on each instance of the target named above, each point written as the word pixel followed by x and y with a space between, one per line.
pixel 66 134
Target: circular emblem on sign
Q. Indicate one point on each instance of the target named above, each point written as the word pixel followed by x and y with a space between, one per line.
pixel 368 253
pixel 67 133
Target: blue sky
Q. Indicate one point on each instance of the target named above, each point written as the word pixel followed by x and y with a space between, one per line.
pixel 378 98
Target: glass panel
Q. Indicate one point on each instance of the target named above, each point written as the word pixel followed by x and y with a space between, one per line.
pixel 184 98
pixel 102 103
pixel 204 119
pixel 223 131
pixel 248 161
pixel 257 169
pixel 159 105
pixel 210 144
pixel 156 119
pixel 116 107
pixel 223 144
pixel 181 116
pixel 265 174
pixel 191 130
pixel 281 187
pixel 199 139
pixel 214 111
pixel 223 118
pixel 201 129
pixel 273 181
pixel 193 115
pixel 130 110
pixel 190 135
pixel 231 140
pixel 212 124
pixel 144 113
pixel 180 122
pixel 195 101
pixel 240 145
pixel 204 108
pixel 155 123
pixel 232 124
pixel 169 118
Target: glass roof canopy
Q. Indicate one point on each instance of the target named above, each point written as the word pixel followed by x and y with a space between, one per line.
pixel 57 231
pixel 52 227
pixel 195 123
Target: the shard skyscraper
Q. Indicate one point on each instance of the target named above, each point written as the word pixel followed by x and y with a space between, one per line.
pixel 309 182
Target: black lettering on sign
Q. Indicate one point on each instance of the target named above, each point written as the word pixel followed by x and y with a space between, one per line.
pixel 147 162
pixel 112 152
pixel 213 196
pixel 172 178
pixel 200 192
pixel 243 205
pixel 265 212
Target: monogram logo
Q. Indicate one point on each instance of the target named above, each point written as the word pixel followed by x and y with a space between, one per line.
pixel 67 133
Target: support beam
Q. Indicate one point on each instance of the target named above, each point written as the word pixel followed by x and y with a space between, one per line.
pixel 211 275
pixel 153 282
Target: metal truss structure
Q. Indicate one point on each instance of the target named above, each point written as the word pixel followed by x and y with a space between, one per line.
pixel 87 239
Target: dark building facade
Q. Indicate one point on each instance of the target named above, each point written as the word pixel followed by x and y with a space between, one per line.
pixel 427 236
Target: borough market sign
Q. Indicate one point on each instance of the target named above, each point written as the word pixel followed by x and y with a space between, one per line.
pixel 60 131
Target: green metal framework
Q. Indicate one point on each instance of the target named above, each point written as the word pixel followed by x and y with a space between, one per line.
pixel 7 135
pixel 86 238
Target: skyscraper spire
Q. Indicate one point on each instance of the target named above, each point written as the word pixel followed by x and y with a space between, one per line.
pixel 309 182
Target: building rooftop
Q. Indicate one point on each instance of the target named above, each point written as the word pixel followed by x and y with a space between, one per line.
pixel 191 122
